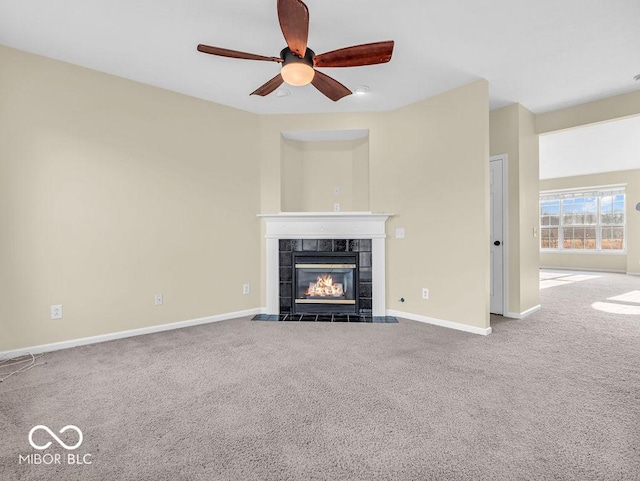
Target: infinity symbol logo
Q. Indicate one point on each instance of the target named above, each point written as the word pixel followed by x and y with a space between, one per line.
pixel 52 434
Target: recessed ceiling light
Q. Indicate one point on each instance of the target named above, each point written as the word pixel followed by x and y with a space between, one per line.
pixel 282 93
pixel 363 89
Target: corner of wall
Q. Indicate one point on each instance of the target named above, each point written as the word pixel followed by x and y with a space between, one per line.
pixel 513 133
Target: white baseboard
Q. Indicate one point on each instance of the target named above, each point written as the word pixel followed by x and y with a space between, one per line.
pixel 522 315
pixel 582 269
pixel 56 346
pixel 633 273
pixel 439 322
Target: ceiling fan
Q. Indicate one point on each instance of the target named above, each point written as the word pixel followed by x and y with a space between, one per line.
pixel 299 62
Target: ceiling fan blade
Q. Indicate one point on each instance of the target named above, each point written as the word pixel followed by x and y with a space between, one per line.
pixel 224 52
pixel 269 87
pixel 356 56
pixel 294 23
pixel 329 86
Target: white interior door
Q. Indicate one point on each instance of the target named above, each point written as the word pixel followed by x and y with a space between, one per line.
pixel 497 235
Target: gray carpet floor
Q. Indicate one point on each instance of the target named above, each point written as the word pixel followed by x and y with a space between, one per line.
pixel 552 397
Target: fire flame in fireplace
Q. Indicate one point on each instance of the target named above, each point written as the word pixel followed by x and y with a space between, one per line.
pixel 325 287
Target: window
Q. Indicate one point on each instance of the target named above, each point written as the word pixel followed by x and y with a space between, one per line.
pixel 583 220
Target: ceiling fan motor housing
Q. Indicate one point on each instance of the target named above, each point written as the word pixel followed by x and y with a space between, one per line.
pixel 288 56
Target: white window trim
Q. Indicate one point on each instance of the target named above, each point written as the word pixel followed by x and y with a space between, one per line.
pixel 589 188
pixel 589 252
pixel 598 191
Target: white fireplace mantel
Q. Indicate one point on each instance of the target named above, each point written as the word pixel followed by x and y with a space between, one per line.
pixel 325 225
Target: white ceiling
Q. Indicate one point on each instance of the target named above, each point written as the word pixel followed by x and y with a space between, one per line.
pixel 545 54
pixel 604 147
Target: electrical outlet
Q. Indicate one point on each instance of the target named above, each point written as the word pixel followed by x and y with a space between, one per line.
pixel 400 233
pixel 535 232
pixel 425 293
pixel 336 207
pixel 56 311
pixel 158 299
pixel 246 289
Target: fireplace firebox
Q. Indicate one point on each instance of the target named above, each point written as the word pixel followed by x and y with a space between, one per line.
pixel 325 282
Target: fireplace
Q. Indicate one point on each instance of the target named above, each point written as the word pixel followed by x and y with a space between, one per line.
pixel 325 276
pixel 325 282
pixel 356 232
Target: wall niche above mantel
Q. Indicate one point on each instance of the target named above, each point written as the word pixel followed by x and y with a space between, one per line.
pixel 320 169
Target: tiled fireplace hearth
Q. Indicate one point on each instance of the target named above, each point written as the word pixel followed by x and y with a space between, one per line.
pixel 343 241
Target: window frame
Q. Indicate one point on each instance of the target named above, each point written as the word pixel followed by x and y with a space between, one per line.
pixel 585 192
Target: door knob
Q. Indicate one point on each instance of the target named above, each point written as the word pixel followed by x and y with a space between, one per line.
pixel 496 243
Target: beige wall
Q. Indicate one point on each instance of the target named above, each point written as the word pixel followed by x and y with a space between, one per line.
pixel 321 162
pixel 292 180
pixel 112 191
pixel 312 170
pixel 529 211
pixel 611 108
pixel 361 175
pixel 613 262
pixel 574 260
pixel 438 186
pixel 418 167
pixel 513 133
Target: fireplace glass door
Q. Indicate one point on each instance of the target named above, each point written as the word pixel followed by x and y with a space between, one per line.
pixel 325 283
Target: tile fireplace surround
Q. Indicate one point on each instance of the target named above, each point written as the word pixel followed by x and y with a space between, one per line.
pixel 325 225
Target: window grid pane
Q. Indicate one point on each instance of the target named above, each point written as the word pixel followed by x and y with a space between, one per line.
pixel 613 238
pixel 549 217
pixel 549 237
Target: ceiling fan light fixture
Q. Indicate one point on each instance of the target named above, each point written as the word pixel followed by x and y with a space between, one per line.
pixel 297 74
pixel 297 71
